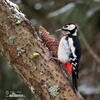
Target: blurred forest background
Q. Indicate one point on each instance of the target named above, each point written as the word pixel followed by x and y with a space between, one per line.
pixel 52 14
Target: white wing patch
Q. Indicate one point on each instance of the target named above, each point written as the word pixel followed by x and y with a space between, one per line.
pixel 71 44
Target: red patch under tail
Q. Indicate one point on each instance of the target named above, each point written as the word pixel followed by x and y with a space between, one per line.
pixel 69 67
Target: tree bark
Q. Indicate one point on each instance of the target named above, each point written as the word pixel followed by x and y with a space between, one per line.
pixel 29 57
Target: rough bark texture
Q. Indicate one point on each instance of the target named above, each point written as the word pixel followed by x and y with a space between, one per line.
pixel 30 58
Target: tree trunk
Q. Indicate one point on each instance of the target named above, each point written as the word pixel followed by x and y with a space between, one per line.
pixel 29 57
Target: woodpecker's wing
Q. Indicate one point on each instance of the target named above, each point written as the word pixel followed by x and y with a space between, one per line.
pixel 73 56
pixel 50 42
pixel 75 48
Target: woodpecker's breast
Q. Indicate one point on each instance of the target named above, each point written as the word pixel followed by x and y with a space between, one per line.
pixel 64 50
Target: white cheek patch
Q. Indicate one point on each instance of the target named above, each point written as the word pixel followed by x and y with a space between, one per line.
pixel 71 27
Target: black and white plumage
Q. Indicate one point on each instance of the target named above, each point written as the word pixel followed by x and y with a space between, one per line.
pixel 69 49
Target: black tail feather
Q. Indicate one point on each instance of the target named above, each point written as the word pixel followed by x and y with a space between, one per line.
pixel 74 80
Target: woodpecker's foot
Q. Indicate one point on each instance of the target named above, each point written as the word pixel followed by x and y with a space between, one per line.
pixel 54 58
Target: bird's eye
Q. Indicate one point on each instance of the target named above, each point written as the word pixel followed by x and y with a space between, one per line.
pixel 66 26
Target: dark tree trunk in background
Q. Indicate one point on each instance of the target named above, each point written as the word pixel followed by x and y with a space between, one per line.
pixel 30 58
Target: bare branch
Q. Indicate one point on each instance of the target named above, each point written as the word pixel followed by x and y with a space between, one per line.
pixel 93 54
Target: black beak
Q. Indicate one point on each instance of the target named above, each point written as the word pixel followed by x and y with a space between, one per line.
pixel 58 30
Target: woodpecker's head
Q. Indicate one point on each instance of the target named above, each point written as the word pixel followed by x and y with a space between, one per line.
pixel 69 29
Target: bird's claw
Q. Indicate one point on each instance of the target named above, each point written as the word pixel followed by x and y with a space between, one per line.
pixel 53 58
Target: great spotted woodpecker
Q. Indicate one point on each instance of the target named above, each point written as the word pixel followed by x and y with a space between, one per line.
pixel 69 51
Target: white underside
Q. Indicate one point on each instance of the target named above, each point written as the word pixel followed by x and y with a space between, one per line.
pixel 64 50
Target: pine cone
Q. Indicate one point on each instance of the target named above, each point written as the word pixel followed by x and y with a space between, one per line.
pixel 49 41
